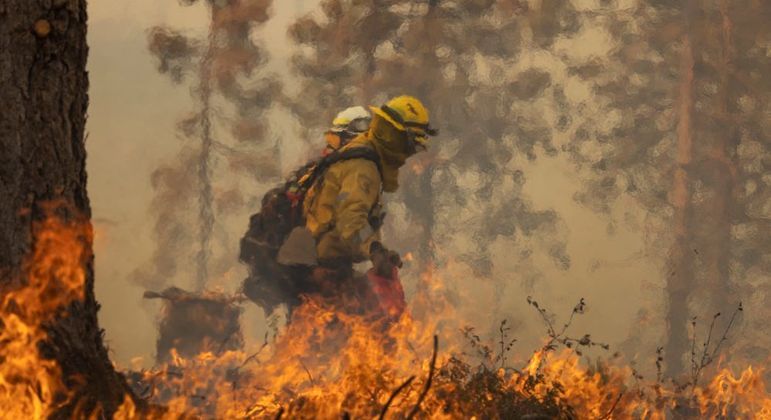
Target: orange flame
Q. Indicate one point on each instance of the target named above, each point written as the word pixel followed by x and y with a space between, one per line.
pixel 732 397
pixel 54 275
pixel 328 361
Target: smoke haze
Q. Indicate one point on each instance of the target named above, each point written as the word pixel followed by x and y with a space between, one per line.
pixel 551 177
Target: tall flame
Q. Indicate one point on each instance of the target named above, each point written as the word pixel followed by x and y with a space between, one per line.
pixel 53 276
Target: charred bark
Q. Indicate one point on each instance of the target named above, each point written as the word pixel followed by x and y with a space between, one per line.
pixel 44 99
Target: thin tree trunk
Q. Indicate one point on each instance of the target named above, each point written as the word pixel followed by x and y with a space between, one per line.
pixel 421 194
pixel 205 213
pixel 44 98
pixel 680 272
pixel 718 255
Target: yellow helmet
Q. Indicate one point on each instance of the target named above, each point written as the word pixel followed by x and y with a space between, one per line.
pixel 408 114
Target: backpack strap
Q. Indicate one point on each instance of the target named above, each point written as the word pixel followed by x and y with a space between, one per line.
pixel 366 153
pixel 318 170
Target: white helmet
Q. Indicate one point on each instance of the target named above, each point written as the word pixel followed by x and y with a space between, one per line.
pixel 353 120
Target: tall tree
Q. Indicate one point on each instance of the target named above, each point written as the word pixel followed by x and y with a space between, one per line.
pixel 225 69
pixel 688 107
pixel 740 161
pixel 648 153
pixel 44 98
pixel 680 274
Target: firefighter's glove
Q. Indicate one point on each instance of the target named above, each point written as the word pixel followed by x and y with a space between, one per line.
pixel 384 260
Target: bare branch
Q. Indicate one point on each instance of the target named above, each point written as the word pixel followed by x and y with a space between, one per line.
pixel 313 383
pixel 393 395
pixel 427 386
pixel 612 408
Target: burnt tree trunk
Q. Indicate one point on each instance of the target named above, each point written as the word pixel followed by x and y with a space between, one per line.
pixel 43 104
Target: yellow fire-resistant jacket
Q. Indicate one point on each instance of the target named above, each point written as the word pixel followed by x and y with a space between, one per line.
pixel 339 207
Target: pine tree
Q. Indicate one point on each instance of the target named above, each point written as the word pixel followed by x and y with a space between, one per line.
pixel 677 149
pixel 741 158
pixel 226 68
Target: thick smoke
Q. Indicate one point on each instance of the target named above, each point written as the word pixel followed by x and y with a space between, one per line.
pixel 654 113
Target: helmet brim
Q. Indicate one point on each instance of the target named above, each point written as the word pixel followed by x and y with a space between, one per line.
pixel 382 114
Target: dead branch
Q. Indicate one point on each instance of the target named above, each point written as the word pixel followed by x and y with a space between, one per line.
pixel 393 395
pixel 612 408
pixel 561 337
pixel 740 308
pixel 313 383
pixel 505 345
pixel 175 294
pixel 694 367
pixel 224 342
pixel 427 386
pixel 254 356
pixel 709 338
pixel 708 357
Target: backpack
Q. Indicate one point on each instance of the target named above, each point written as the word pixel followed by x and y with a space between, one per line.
pixel 282 207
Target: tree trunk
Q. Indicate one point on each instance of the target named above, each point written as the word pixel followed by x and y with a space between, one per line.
pixel 205 213
pixel 42 158
pixel 723 178
pixel 419 194
pixel 680 269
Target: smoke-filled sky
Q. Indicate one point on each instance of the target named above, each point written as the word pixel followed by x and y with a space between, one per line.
pixel 613 261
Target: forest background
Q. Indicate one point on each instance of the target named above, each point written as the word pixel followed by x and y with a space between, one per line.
pixel 610 150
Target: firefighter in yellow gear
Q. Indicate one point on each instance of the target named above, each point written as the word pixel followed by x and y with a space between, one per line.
pixel 343 212
pixel 343 215
pixel 338 221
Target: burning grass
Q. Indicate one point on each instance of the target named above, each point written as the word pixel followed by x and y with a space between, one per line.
pixel 328 363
